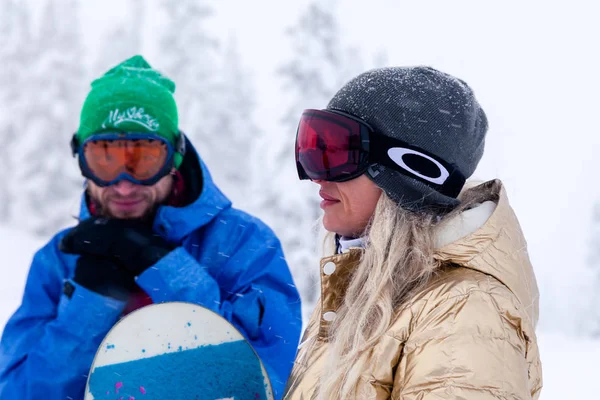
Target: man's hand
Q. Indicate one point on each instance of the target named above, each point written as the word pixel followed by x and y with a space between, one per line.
pixel 128 243
pixel 104 277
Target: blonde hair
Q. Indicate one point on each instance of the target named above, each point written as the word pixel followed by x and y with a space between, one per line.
pixel 397 262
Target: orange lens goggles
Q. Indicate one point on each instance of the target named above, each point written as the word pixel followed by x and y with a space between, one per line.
pixel 141 159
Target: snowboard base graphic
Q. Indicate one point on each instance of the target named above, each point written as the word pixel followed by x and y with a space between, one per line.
pixel 176 350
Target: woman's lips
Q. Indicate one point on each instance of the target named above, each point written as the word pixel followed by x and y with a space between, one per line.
pixel 327 200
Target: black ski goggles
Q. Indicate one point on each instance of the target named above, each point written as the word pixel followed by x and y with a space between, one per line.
pixel 337 147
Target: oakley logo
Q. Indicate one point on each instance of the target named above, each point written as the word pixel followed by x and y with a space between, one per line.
pixel 132 114
pixel 419 164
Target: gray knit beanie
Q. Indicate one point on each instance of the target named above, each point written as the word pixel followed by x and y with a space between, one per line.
pixel 427 109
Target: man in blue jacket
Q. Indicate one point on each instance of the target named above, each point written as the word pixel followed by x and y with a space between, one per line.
pixel 153 228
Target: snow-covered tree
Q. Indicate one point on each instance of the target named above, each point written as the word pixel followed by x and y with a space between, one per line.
pixel 233 117
pixel 16 53
pixel 214 95
pixel 48 180
pixel 319 66
pixel 190 56
pixel 124 40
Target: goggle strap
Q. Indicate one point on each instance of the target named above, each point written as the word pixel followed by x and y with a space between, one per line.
pixel 74 143
pixel 179 145
pixel 378 154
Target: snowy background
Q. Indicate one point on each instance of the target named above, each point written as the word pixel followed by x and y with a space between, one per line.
pixel 245 70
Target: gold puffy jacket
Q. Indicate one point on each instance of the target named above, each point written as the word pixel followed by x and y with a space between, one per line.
pixel 469 335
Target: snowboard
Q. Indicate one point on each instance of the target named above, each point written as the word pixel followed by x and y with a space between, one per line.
pixel 176 350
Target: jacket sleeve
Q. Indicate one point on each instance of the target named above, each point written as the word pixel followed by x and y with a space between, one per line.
pixel 49 343
pixel 465 348
pixel 260 300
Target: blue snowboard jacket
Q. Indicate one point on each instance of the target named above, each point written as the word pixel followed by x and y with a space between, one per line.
pixel 227 261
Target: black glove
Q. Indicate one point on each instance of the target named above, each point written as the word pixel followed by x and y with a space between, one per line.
pixel 104 276
pixel 129 243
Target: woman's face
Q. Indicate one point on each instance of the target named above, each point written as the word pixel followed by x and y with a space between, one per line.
pixel 348 205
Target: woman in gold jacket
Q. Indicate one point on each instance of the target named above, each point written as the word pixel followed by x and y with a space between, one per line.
pixel 430 293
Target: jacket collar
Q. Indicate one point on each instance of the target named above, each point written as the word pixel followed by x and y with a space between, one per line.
pixel 499 249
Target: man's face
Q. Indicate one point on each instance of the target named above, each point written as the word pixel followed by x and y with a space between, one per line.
pixel 127 200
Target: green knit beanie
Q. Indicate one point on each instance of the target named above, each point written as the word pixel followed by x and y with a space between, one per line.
pixel 131 97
